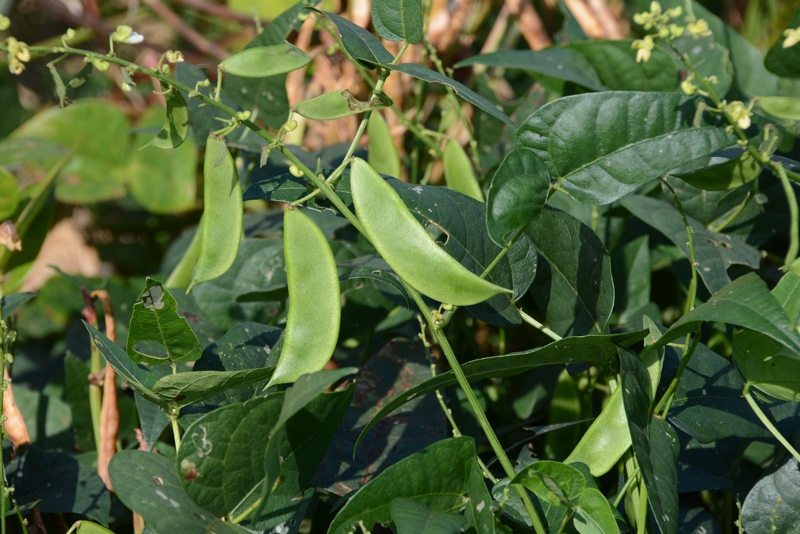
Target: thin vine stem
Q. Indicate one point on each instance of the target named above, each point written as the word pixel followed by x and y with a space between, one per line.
pixel 794 239
pixel 688 350
pixel 539 326
pixel 767 423
pixel 692 294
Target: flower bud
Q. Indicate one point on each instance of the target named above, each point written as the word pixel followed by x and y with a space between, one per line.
pixel 125 34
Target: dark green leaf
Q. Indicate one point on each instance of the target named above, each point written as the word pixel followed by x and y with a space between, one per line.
pixel 436 477
pixel 767 366
pixel 594 515
pixel 478 512
pixel 517 194
pixel 156 320
pixel 398 20
pixel 785 61
pixel 633 138
pixel 655 443
pixel 76 382
pixel 195 386
pixel 729 174
pixel 580 296
pixel 630 267
pixel 387 277
pixel 773 505
pixel 413 518
pixel 714 252
pixel 744 302
pixel 787 293
pixel 597 350
pixel 152 420
pixel 11 303
pixel 307 388
pixel 431 76
pixel 147 484
pixel 553 482
pixel 359 43
pixel 176 127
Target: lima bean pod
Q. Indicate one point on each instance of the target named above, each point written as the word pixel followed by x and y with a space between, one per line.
pixel 312 325
pixel 221 225
pixel 458 172
pixel 408 248
pixel 383 156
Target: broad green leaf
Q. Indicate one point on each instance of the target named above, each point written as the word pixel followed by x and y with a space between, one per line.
pixel 517 194
pixel 713 251
pixel 597 350
pixel 264 61
pixel 478 512
pixel 594 515
pixel 163 181
pixel 60 482
pixel 307 388
pixel 773 505
pixel 76 382
pixel 139 378
pixel 784 61
pixel 458 172
pixel 155 320
pixel 730 174
pixel 382 153
pixel 431 76
pixel 195 386
pixel 398 20
pixel 176 127
pixel 655 443
pixel 745 302
pixel 360 44
pixel 98 170
pixel 580 296
pixel 553 482
pixel 435 477
pixel 602 146
pixel 767 366
pixel 783 107
pixel 12 303
pixel 152 420
pixel 148 484
pixel 9 195
pixel 221 225
pixel 385 276
pixel 599 65
pixel 87 527
pixel 413 518
pixel 564 410
pixel 338 104
pixel 787 292
pixel 630 267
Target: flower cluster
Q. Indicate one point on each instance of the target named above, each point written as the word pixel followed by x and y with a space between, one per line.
pixel 125 34
pixel 739 113
pixel 662 22
pixel 18 55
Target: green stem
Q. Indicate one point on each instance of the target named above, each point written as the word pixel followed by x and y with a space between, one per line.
pixel 502 253
pixel 688 350
pixel 692 294
pixel 624 489
pixel 176 431
pixel 730 218
pixel 767 423
pixel 539 326
pixel 794 239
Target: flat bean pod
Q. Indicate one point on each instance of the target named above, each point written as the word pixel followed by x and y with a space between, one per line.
pixel 312 325
pixel 458 172
pixel 221 225
pixel 408 248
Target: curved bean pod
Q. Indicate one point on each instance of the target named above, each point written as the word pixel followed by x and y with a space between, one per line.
pixel 312 325
pixel 408 248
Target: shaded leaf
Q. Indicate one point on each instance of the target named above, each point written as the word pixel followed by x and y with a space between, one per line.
pixel 413 518
pixel 729 174
pixel 195 386
pixel 767 366
pixel 773 505
pixel 398 20
pixel 479 512
pixel 784 61
pixel 176 127
pixel 594 515
pixel 787 293
pixel 11 303
pixel 552 482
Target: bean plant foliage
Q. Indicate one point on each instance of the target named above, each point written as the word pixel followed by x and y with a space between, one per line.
pixel 545 291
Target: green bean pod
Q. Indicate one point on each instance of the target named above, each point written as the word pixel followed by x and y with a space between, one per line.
pixel 607 439
pixel 221 225
pixel 408 248
pixel 312 325
pixel 458 172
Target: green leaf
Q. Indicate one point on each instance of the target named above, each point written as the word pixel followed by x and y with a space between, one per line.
pixel 139 378
pixel 744 302
pixel 580 296
pixel 458 172
pixel 655 443
pixel 783 107
pixel 163 181
pixel 382 154
pixel 152 420
pixel 195 386
pixel 176 127
pixel 398 20
pixel 87 527
pixel 594 515
pixel 599 65
pixel 264 61
pixel 553 482
pixel 714 252
pixel 602 146
pixel 338 104
pixel 787 293
pixel 517 194
pixel 307 388
pixel 431 76
pixel 382 275
pixel 413 518
pixel 597 350
pixel 478 512
pixel 435 477
pixel 98 170
pixel 730 174
pixel 12 303
pixel 630 267
pixel 9 195
pixel 147 484
pixel 156 320
pixel 360 44
pixel 784 61
pixel 76 383
pixel 767 366
pixel 773 505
